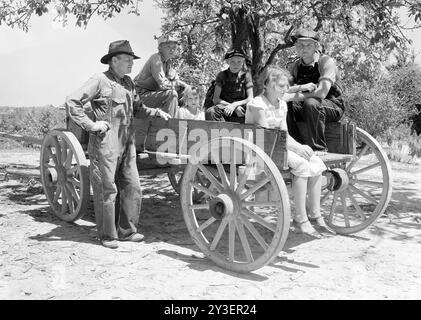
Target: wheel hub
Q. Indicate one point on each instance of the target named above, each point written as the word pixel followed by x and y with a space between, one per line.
pixel 221 206
pixel 337 179
pixel 51 176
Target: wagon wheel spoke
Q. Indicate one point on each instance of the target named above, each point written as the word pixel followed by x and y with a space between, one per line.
pixel 69 159
pixel 52 156
pixel 345 210
pixel 63 151
pixel 375 165
pixel 199 206
pixel 218 234
pixel 363 194
pixel 56 145
pixel 73 192
pixel 244 241
pixel 325 197
pixel 203 189
pixel 223 175
pixel 206 224
pixel 254 232
pixel 231 240
pixel 233 167
pixel 250 214
pixel 63 200
pixel 243 178
pixel 356 206
pixel 368 182
pixel 362 152
pixel 74 182
pixel 57 194
pixel 260 203
pixel 256 187
pixel 333 207
pixel 211 178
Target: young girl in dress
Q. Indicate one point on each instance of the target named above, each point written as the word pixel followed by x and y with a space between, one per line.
pixel 191 109
pixel 269 109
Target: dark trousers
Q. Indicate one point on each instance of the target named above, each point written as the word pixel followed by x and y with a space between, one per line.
pixel 215 113
pixel 315 113
pixel 115 182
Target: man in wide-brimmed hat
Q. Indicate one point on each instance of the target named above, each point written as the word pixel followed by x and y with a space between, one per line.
pixel 317 95
pixel 158 84
pixel 111 148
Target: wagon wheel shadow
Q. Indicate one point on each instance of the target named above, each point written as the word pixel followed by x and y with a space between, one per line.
pixel 162 220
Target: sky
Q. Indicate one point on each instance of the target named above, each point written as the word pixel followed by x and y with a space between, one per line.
pixel 49 62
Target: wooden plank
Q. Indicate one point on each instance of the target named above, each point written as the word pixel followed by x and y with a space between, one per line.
pixel 181 136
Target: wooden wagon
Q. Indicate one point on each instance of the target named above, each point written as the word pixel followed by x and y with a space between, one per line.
pixel 237 215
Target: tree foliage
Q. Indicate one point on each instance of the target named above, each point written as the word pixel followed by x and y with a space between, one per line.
pixel 359 34
pixel 18 12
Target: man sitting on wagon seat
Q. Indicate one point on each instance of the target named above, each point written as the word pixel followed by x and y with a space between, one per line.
pixel 158 84
pixel 317 92
pixel 112 151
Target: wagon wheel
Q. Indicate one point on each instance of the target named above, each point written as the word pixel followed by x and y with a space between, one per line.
pixel 176 175
pixel 235 225
pixel 366 188
pixel 64 175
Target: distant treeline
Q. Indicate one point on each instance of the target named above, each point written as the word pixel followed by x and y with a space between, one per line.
pixel 31 121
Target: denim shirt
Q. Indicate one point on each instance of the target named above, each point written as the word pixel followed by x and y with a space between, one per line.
pixel 112 99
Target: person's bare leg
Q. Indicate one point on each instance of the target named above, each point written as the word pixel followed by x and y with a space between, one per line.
pixel 314 186
pixel 299 190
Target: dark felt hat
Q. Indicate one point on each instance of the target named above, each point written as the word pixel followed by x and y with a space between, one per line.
pixel 117 47
pixel 305 34
pixel 235 53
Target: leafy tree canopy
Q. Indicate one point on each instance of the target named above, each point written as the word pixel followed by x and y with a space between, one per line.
pixel 17 13
pixel 359 34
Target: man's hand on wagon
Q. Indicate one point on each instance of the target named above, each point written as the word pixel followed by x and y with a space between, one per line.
pixel 101 126
pixel 162 114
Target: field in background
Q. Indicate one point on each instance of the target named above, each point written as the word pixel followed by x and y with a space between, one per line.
pixel 398 142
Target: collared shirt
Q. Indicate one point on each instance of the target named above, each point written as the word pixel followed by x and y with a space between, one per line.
pixel 110 97
pixel 156 74
pixel 326 66
pixel 233 85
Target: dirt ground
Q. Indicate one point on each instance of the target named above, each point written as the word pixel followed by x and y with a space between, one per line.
pixel 42 257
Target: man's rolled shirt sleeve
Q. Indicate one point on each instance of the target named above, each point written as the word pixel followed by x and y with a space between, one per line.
pixel 328 69
pixel 158 73
pixel 76 101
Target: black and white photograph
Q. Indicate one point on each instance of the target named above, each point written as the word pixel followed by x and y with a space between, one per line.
pixel 229 151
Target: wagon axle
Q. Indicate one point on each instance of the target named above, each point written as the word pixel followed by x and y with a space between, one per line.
pixel 337 179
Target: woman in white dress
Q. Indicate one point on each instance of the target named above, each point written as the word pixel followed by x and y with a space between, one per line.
pixel 269 110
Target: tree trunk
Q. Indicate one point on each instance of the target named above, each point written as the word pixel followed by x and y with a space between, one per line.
pixel 246 35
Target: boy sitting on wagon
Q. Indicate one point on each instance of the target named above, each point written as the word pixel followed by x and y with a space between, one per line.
pixel 233 90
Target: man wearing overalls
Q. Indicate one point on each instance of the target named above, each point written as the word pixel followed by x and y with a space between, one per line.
pixel 316 93
pixel 112 152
